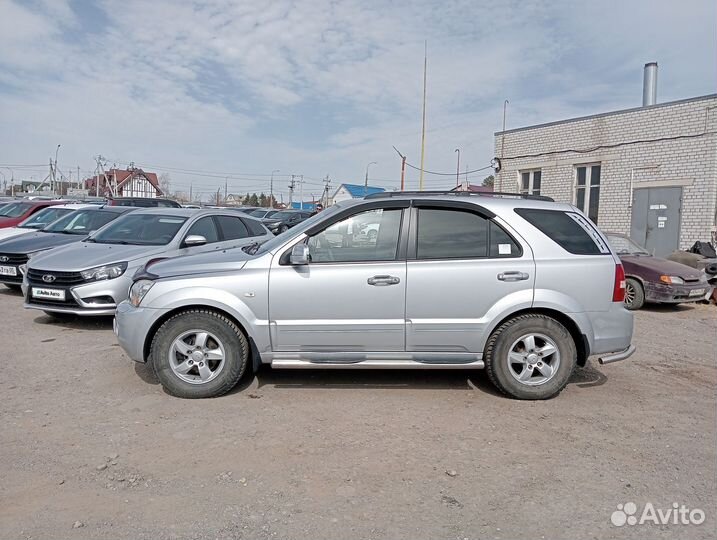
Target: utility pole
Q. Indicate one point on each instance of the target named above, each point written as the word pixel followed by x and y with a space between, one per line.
pixel 190 192
pixel 327 181
pixel 219 189
pixel 226 182
pixel 365 183
pixel 423 128
pixel 502 143
pixel 301 191
pixel 458 167
pixel 52 177
pixel 292 185
pixel 271 188
pixel 403 167
pixel 78 179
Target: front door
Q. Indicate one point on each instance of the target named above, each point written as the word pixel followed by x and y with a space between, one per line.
pixel 656 219
pixel 465 269
pixel 350 297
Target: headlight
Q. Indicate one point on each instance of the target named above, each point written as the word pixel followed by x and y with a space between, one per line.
pixel 138 290
pixel 672 280
pixel 109 271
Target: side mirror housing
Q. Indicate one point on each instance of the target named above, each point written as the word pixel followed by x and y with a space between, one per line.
pixel 300 255
pixel 194 240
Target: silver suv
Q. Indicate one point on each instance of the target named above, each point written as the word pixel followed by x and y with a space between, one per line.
pixel 521 286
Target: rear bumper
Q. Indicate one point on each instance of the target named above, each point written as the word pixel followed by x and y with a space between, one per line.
pixel 617 356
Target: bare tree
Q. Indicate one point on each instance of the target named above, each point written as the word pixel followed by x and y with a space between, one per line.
pixel 164 183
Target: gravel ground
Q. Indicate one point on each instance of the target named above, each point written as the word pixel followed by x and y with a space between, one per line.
pixel 91 447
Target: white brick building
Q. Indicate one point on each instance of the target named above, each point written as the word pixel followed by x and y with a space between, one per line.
pixel 649 172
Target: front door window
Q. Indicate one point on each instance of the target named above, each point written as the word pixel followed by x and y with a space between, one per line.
pixel 368 236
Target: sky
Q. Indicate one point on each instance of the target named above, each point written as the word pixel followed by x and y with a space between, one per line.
pixel 215 88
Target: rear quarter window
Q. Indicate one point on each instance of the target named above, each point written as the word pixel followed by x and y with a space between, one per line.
pixel 567 229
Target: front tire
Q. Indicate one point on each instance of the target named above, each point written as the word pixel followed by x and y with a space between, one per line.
pixel 634 294
pixel 199 354
pixel 530 357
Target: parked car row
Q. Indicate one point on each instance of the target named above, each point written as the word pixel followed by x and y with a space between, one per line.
pixel 83 262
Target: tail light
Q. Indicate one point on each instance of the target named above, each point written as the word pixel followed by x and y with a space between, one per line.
pixel 618 290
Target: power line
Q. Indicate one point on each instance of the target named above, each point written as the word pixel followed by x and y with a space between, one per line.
pixel 451 173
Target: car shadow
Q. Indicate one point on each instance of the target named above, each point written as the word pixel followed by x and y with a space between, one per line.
pixel 5 291
pixel 373 379
pixel 667 308
pixel 146 373
pixel 587 377
pixel 76 322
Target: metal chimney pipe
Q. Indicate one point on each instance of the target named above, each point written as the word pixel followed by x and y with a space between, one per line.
pixel 649 84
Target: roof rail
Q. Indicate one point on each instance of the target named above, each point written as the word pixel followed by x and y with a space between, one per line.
pixel 389 194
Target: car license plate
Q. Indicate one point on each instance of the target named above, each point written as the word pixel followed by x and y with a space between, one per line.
pixel 49 294
pixel 8 270
pixel 697 292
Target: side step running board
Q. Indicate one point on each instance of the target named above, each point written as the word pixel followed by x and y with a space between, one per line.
pixel 373 364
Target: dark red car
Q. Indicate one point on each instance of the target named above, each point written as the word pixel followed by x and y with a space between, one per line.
pixel 653 279
pixel 17 211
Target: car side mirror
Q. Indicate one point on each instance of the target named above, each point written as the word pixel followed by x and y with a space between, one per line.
pixel 300 255
pixel 194 240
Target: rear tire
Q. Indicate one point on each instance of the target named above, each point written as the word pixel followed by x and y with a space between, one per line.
pixel 217 353
pixel 530 357
pixel 634 294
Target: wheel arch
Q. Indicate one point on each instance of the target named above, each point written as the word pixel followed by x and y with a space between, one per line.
pixel 149 336
pixel 582 345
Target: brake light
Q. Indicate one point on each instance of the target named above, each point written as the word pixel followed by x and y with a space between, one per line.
pixel 618 290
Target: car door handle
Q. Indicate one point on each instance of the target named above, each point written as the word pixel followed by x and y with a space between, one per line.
pixel 383 280
pixel 513 276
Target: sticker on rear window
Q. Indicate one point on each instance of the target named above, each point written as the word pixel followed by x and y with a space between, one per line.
pixel 504 249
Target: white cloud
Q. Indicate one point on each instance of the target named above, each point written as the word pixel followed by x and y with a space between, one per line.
pixel 210 85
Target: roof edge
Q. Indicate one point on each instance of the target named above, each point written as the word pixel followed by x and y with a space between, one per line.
pixel 609 113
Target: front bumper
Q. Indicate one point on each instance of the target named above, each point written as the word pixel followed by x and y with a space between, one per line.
pixel 131 326
pixel 675 294
pixel 96 299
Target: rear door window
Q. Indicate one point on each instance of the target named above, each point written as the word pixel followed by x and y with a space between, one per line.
pixel 232 227
pixel 569 230
pixel 255 228
pixel 460 234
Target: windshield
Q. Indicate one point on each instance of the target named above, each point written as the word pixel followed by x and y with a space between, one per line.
pixel 623 246
pixel 263 213
pixel 295 231
pixel 14 210
pixel 81 222
pixel 284 214
pixel 43 217
pixel 140 230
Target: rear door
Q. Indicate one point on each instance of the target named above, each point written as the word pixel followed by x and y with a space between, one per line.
pixel 463 267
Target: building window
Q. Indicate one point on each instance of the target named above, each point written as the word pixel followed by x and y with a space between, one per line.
pixel 530 182
pixel 587 190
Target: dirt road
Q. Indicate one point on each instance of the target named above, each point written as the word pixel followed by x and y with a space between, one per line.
pixel 91 447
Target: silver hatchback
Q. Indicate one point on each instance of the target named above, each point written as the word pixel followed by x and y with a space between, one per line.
pixel 91 277
pixel 521 286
